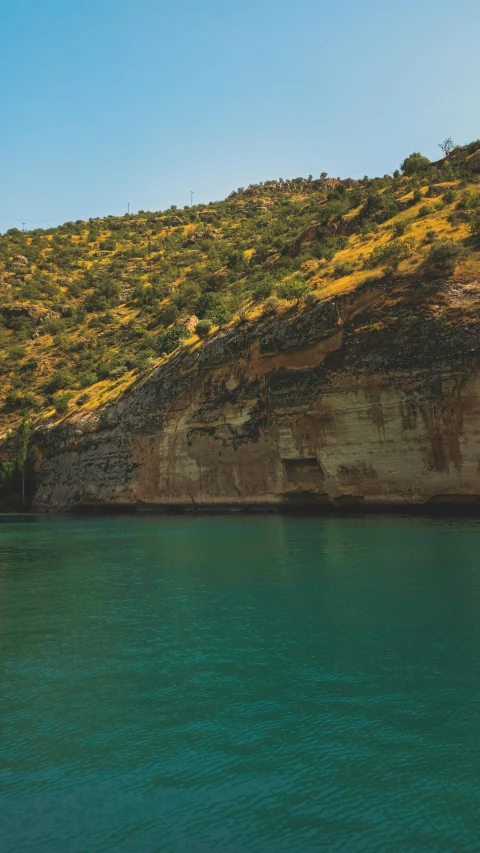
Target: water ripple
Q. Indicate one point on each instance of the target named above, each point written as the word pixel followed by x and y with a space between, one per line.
pixel 250 685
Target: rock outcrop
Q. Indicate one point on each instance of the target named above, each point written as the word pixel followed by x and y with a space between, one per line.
pixel 18 310
pixel 357 401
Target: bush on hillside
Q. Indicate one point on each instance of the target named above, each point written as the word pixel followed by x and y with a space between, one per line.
pixel 203 328
pixel 415 163
pixel 53 326
pixel 262 286
pixel 167 314
pixel 425 210
pixel 445 254
pixel 219 313
pixel 379 206
pixel 474 227
pixel 104 295
pixel 60 379
pixel 293 289
pixel 392 253
pixel 186 294
pixel 87 378
pixel 61 402
pixel 82 399
pixel 342 269
pixel 449 196
pixel 213 307
pixel 18 401
pixel 167 341
pixel 23 327
pixel 400 227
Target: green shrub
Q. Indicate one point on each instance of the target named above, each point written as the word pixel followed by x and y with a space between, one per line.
pixel 133 363
pixel 96 321
pixel 262 286
pixel 61 402
pixel 104 295
pixel 390 271
pixel 425 210
pixel 186 295
pixel 474 226
pixel 117 372
pixel 108 244
pixel 213 307
pixel 203 328
pixel 149 362
pixel 454 218
pixel 84 398
pixel 167 341
pixel 311 298
pixel 74 289
pixel 392 253
pixel 342 269
pixel 219 313
pixel 18 401
pixel 23 327
pixel 414 164
pixel 470 202
pixel 379 206
pixel 449 196
pixel 60 379
pixel 168 314
pixel 293 289
pixel 103 370
pixel 400 227
pixel 87 378
pixel 53 325
pixel 16 352
pixel 445 254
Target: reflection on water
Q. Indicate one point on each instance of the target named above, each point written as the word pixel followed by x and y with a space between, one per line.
pixel 245 684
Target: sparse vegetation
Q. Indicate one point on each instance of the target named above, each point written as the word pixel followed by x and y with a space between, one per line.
pixel 88 307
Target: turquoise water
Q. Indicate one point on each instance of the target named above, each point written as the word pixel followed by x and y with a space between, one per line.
pixel 246 684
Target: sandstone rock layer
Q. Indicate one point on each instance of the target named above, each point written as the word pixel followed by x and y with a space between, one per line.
pixel 357 401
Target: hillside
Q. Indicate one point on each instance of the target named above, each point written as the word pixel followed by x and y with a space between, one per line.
pixel 94 312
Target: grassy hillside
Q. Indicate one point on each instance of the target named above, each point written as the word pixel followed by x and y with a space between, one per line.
pixel 89 307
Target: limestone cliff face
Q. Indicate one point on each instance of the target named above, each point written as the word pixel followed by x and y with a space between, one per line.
pixel 355 401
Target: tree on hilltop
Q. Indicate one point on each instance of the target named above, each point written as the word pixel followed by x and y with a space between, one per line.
pixel 416 162
pixel 447 145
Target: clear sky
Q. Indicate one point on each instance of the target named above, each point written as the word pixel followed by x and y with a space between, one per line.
pixel 106 102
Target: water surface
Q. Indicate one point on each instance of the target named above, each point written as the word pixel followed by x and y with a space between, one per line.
pixel 246 684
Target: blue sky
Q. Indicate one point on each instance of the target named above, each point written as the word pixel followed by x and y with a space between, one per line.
pixel 106 102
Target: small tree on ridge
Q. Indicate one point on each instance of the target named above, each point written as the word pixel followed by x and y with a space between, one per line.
pixel 447 145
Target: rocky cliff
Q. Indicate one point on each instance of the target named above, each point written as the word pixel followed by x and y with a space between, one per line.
pixel 300 343
pixel 369 398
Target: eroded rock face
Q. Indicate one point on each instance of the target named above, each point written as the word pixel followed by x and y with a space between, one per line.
pixel 355 401
pixel 473 162
pixel 32 312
